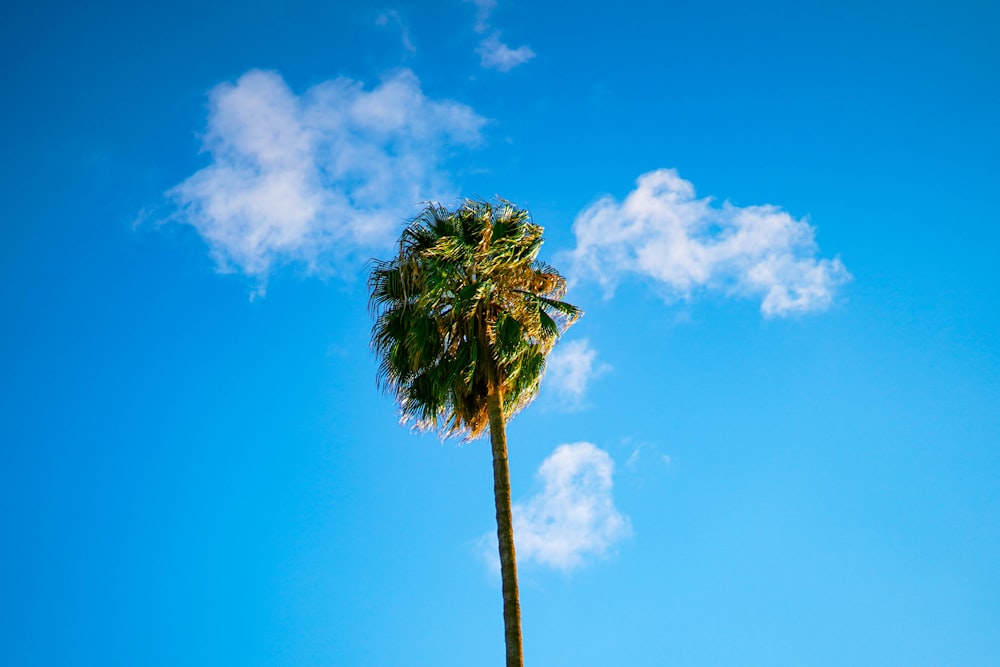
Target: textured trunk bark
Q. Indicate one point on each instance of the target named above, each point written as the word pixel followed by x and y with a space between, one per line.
pixel 505 531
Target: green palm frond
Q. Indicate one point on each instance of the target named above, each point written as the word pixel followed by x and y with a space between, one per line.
pixel 465 308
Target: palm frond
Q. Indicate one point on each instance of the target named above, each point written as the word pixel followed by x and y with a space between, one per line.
pixel 464 307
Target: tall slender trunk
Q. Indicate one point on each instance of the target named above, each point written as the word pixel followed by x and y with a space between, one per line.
pixel 505 530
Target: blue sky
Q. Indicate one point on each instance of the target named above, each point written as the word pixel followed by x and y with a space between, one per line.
pixel 773 439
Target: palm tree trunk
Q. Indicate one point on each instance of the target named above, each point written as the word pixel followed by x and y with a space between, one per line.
pixel 505 531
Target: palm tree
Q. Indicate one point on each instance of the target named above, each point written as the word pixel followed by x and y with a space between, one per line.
pixel 464 316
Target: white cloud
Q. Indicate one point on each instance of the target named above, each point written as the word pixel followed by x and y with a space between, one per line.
pixel 574 516
pixel 493 53
pixel 570 368
pixel 314 178
pixel 662 231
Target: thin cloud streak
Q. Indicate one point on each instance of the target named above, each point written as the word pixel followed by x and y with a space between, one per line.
pixel 315 178
pixel 663 232
pixel 392 16
pixel 483 10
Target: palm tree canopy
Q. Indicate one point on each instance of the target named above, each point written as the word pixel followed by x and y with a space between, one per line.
pixel 465 309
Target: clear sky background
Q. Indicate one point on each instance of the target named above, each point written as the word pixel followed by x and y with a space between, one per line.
pixel 774 438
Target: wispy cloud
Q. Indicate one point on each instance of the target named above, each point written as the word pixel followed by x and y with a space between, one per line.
pixel 483 10
pixel 493 53
pixel 570 368
pixel 392 17
pixel 314 178
pixel 663 231
pixel 644 451
pixel 574 516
